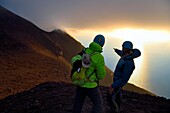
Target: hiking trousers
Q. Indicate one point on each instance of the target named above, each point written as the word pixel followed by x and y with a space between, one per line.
pixel 95 96
pixel 115 100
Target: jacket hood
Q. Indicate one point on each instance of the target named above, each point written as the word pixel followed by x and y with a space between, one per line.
pixel 135 53
pixel 95 47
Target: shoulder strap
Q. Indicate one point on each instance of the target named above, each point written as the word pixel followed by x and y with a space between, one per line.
pixel 91 74
pixel 88 77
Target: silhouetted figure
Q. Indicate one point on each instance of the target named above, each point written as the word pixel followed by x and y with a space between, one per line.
pixel 122 73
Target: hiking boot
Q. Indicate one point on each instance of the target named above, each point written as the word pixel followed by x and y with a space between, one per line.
pixel 112 104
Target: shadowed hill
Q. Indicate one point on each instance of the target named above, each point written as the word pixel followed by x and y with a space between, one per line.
pixel 52 97
pixel 69 45
pixel 28 57
pixel 22 31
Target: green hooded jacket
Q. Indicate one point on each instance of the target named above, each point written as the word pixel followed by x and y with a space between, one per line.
pixel 97 66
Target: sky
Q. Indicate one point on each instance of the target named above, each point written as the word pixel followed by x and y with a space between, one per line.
pixel 144 22
pixel 93 14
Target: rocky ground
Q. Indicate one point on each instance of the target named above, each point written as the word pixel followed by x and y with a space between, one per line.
pixel 58 97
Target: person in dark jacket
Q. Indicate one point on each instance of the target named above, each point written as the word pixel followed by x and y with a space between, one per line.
pixel 122 73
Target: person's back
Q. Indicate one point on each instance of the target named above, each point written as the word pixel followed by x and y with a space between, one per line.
pixel 97 67
pixel 95 72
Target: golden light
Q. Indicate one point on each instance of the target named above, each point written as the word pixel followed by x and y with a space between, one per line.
pixel 140 36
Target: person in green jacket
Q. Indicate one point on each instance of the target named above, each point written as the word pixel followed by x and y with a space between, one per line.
pixel 97 70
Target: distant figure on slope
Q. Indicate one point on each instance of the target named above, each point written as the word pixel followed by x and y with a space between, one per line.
pixel 122 73
pixel 94 72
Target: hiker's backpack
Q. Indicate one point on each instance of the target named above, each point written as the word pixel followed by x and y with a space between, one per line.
pixel 78 72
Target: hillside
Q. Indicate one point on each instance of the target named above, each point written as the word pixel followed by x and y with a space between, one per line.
pixel 30 56
pixel 27 55
pixel 52 97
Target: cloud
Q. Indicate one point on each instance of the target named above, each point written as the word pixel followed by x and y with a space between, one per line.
pixel 93 14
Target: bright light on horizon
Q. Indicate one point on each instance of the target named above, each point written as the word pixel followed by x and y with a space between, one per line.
pixel 141 35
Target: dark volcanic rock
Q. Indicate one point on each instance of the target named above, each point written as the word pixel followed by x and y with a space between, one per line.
pixel 52 97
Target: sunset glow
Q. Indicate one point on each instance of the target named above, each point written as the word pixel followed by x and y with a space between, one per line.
pixel 140 36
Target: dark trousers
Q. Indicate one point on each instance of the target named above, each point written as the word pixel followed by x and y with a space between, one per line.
pixel 118 96
pixel 95 96
pixel 115 100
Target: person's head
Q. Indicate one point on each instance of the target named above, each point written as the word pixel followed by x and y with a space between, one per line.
pixel 100 39
pixel 127 47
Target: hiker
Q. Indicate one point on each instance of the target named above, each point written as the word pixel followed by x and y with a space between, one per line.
pixel 122 73
pixel 97 72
